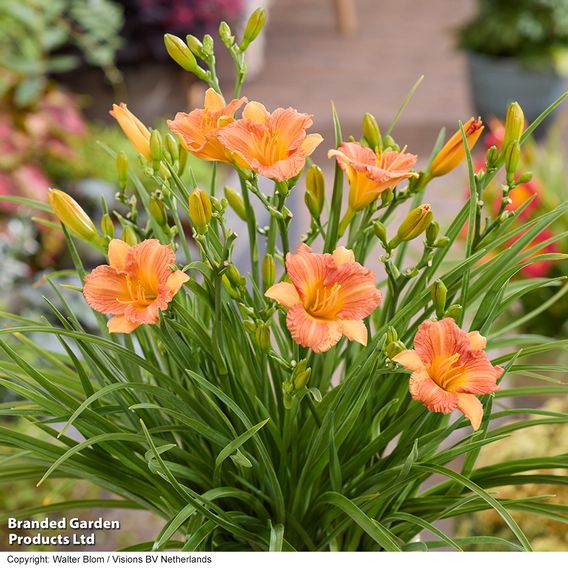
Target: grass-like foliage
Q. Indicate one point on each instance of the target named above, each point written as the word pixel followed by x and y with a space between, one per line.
pixel 214 418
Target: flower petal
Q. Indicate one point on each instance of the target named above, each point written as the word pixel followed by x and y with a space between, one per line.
pixel 342 255
pixel 476 341
pixel 479 375
pixel 255 112
pixel 214 102
pixel 120 324
pixel 409 359
pixel 355 330
pixel 284 293
pixel 472 408
pixel 310 143
pixel 106 290
pixel 139 313
pixel 425 390
pixel 307 270
pixel 441 339
pixel 117 253
pixel 149 262
pixel 318 335
pixel 176 280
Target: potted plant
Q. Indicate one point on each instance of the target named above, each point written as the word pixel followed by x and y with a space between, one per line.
pixel 516 50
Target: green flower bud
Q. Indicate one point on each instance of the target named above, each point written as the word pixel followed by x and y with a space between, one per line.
pixel 371 131
pixel 234 276
pixel 454 311
pixel 195 46
pixel 254 27
pixel 208 46
pixel 439 295
pixel 183 154
pixel 315 191
pixel 301 375
pixel 179 51
pixel 122 169
pixel 415 223
pixel 394 348
pixel 172 147
pixel 388 142
pixel 107 226
pixel 386 197
pixel 514 125
pixel 157 210
pixel 442 242
pixel 232 292
pixel 492 157
pixel 392 334
pixel 432 232
pixel 262 336
pixel 236 202
pixel 226 35
pixel 129 235
pixel 380 231
pixel 200 210
pixel 156 150
pixel 512 157
pixel 268 271
pixel 524 178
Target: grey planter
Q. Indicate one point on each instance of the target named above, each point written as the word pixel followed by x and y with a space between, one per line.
pixel 497 81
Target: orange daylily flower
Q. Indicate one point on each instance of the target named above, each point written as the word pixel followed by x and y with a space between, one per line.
pixel 329 296
pixel 198 129
pixel 453 151
pixel 449 368
pixel 134 129
pixel 135 285
pixel 274 145
pixel 370 173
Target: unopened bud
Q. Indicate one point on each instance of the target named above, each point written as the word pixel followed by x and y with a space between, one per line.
pixel 234 276
pixel 179 51
pixel 315 191
pixel 394 348
pixel 254 27
pixel 226 35
pixel 492 157
pixel 107 226
pixel 439 295
pixel 183 154
pixel 371 131
pixel 262 336
pixel 514 125
pixel 386 197
pixel 416 222
pixel 195 46
pixel 156 150
pixel 525 178
pixel 380 231
pixel 442 242
pixel 122 169
pixel 73 216
pixel 512 157
pixel 157 210
pixel 200 210
pixel 432 232
pixel 388 142
pixel 236 202
pixel 301 375
pixel 268 271
pixel 454 311
pixel 392 334
pixel 233 293
pixel 208 45
pixel 129 236
pixel 172 147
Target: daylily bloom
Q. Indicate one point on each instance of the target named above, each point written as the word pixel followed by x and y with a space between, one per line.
pixel 274 145
pixel 134 129
pixel 453 151
pixel 328 297
pixel 135 285
pixel 198 129
pixel 449 368
pixel 370 173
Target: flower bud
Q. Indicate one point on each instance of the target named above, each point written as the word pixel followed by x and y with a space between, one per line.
pixel 525 178
pixel 195 46
pixel 394 348
pixel 179 51
pixel 129 235
pixel 454 311
pixel 200 210
pixel 380 231
pixel 492 157
pixel 262 336
pixel 133 128
pixel 157 210
pixel 439 294
pixel 107 226
pixel 432 232
pixel 172 147
pixel 254 27
pixel 392 334
pixel 512 157
pixel 156 150
pixel 225 34
pixel 442 242
pixel 415 223
pixel 232 292
pixel 268 271
pixel 388 142
pixel 514 125
pixel 315 191
pixel 122 169
pixel 234 276
pixel 236 202
pixel 301 375
pixel 183 154
pixel 208 46
pixel 73 216
pixel 371 131
pixel 386 196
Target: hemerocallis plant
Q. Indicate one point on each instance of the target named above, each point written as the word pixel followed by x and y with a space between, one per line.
pixel 303 401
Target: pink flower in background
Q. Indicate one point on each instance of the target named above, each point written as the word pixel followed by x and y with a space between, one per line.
pixel 26 181
pixel 540 268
